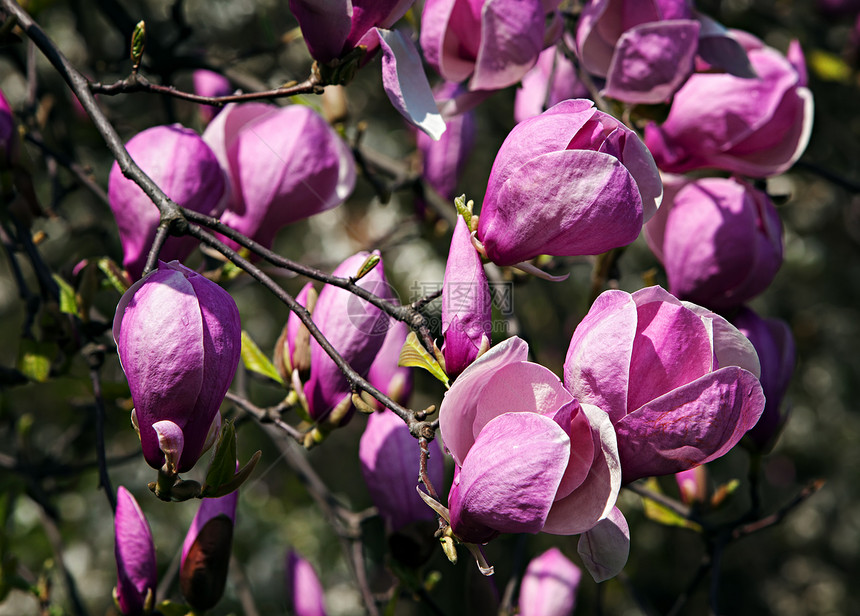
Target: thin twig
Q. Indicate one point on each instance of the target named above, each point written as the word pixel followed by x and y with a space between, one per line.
pixel 262 415
pixel 95 357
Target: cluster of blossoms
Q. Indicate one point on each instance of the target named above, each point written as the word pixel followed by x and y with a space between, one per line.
pixel 653 384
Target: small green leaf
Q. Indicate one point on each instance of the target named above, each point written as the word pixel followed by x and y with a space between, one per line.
pixel 367 266
pixel 138 42
pixel 463 209
pixel 663 515
pixel 114 274
pixel 238 479
pixel 68 302
pixel 34 359
pixel 413 355
pixel 256 361
pixel 223 465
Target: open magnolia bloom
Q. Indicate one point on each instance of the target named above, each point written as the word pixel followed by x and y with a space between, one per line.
pixel 679 382
pixel 529 457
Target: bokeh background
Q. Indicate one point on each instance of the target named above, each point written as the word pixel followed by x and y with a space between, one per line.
pixel 54 521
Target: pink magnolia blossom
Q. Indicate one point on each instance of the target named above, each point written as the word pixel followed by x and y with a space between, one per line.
pixel 774 344
pixel 384 374
pixel 211 84
pixel 137 574
pixel 680 383
pixel 720 240
pixel 284 164
pixel 303 589
pixel 529 457
pixel 645 49
pixel 389 457
pixel 357 331
pixel 549 585
pixel 552 80
pixel 467 323
pixel 756 127
pixel 178 340
pixel 186 169
pixel 571 181
pixel 206 551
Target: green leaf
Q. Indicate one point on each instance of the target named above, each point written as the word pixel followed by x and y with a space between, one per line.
pixel 238 479
pixel 256 361
pixel 34 359
pixel 223 465
pixel 663 515
pixel 68 302
pixel 413 355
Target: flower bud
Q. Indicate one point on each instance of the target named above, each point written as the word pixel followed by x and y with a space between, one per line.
pixel 293 348
pixel 549 585
pixel 720 241
pixel 693 485
pixel 284 164
pixel 390 457
pixel 303 589
pixel 137 576
pixel 178 160
pixel 178 337
pixel 384 374
pixel 774 344
pixel 9 142
pixel 356 329
pixel 571 181
pixel 206 552
pixel 467 322
pixel 211 84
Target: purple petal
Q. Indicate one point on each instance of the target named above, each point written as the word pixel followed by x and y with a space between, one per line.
pixel 691 425
pixel 384 374
pixel 135 554
pixel 511 474
pixel 406 84
pixel 552 80
pixel 652 61
pixel 460 404
pixel 595 497
pixel 549 585
pixel 325 26
pixel 209 508
pixel 303 590
pixel 604 549
pixel 389 457
pixel 573 202
pixel 512 34
pixel 597 366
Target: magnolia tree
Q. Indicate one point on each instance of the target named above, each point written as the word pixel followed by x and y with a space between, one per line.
pixel 438 432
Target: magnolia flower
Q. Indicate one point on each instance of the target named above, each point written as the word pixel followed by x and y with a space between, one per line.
pixel 303 589
pixel 284 164
pixel 757 127
pixel 529 457
pixel 389 457
pixel 384 374
pixel 720 240
pixel 206 552
pixel 137 576
pixel 552 80
pixel 645 49
pixel 357 330
pixel 774 344
pixel 549 585
pixel 571 181
pixel 211 84
pixel 334 28
pixel 186 169
pixel 467 323
pixel 178 338
pixel 680 383
pixel 293 347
